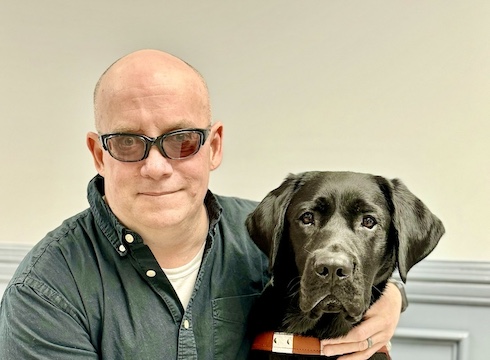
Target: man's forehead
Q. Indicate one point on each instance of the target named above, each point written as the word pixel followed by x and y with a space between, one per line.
pixel 146 82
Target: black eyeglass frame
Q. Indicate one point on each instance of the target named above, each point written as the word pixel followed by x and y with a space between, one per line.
pixel 158 141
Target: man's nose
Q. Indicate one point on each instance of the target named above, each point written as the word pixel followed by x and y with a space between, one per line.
pixel 156 165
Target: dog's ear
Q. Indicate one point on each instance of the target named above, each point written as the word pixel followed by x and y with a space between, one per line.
pixel 417 230
pixel 266 223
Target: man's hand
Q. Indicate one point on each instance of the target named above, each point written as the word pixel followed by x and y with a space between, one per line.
pixel 379 325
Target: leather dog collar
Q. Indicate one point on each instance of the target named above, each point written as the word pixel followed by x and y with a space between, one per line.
pixel 279 342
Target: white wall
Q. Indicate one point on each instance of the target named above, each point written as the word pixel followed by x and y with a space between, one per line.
pixel 392 87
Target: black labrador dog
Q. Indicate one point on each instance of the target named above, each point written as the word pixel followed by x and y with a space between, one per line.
pixel 333 240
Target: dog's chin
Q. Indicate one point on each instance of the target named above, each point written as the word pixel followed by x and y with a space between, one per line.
pixel 303 320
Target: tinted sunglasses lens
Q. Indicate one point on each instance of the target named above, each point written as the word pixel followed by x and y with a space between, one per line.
pixel 182 144
pixel 126 147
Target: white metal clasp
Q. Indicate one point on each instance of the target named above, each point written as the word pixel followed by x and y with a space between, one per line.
pixel 282 343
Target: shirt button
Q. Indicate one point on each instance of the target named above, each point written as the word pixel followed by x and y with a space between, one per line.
pixel 186 324
pixel 129 238
pixel 151 273
pixel 122 248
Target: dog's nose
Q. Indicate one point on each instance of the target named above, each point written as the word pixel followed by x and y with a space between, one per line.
pixel 334 267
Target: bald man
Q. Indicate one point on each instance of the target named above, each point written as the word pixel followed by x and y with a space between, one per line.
pixel 157 267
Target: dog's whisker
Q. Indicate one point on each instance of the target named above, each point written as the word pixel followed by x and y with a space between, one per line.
pixel 378 290
pixel 292 294
pixel 295 282
pixel 308 251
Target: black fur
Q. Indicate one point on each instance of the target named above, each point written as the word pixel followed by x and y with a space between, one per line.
pixel 333 239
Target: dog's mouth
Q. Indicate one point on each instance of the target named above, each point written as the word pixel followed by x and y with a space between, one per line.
pixel 330 304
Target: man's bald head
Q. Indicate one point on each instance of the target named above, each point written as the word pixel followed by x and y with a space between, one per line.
pixel 137 68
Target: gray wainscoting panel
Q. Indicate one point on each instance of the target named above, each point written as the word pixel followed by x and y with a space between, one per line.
pixel 447 318
pixel 448 315
pixel 10 257
pixel 413 343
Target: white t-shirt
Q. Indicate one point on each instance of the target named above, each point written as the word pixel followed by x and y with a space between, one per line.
pixel 183 278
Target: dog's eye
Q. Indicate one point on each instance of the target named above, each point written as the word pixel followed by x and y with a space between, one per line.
pixel 307 218
pixel 368 222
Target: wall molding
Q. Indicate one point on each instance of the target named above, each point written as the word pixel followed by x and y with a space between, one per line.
pixel 431 281
pixel 10 257
pixel 450 283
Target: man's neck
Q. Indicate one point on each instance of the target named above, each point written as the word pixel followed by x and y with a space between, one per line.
pixel 177 246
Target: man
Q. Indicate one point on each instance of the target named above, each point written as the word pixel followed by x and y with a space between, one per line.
pixel 158 267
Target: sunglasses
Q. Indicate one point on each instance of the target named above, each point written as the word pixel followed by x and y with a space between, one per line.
pixel 176 145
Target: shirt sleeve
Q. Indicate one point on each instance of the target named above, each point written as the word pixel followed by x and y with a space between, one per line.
pixel 401 287
pixel 36 322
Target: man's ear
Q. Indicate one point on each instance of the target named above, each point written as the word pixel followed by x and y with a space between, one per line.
pixel 95 148
pixel 216 145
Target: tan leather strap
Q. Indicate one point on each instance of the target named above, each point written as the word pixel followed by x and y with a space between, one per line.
pixel 285 343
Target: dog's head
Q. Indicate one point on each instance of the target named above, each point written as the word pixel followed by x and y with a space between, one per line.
pixel 345 233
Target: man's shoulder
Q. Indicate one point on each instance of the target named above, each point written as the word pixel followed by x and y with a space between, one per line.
pixel 51 251
pixel 236 204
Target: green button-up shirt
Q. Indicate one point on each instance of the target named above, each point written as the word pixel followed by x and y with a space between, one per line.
pixel 91 289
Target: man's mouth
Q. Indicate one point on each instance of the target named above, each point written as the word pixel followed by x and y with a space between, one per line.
pixel 157 193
